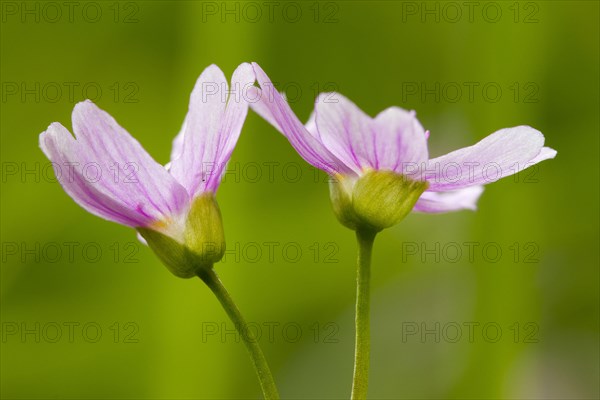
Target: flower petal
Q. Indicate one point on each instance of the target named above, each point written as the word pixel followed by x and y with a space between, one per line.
pixel 177 145
pixel 401 141
pixel 440 202
pixel 393 140
pixel 231 127
pixel 200 131
pixel 501 154
pixel 274 109
pixel 59 146
pixel 346 131
pixel 545 154
pixel 261 107
pixel 128 171
pixel 211 128
pixel 311 125
pixel 108 173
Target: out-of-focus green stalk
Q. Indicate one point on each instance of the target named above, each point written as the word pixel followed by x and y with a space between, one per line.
pixel 261 366
pixel 362 349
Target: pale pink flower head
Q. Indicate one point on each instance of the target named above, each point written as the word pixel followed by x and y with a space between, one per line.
pixel 171 207
pixel 381 165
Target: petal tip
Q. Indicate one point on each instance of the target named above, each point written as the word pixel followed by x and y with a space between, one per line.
pixel 85 106
pixel 255 66
pixel 551 153
pixel 53 129
pixel 212 68
pixel 527 129
pixel 211 74
pixel 85 103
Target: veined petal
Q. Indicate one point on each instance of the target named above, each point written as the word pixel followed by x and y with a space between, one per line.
pixel 134 190
pixel 311 125
pixel 400 141
pixel 127 170
pixel 440 202
pixel 261 107
pixel 346 131
pixel 201 129
pixel 59 146
pixel 393 140
pixel 501 154
pixel 211 128
pixel 235 114
pixel 177 145
pixel 275 110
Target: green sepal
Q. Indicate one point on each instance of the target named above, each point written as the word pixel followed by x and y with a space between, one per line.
pixel 377 200
pixel 204 232
pixel 340 192
pixel 180 260
pixel 204 240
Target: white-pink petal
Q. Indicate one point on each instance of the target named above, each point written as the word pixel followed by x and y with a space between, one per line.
pixel 211 129
pixel 271 105
pixel 501 154
pixel 400 140
pixel 345 130
pixel 125 186
pixel 235 114
pixel 440 202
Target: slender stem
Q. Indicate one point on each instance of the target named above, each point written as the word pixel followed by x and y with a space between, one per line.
pixel 360 382
pixel 258 359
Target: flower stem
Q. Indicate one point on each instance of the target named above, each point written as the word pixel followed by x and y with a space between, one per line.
pixel 360 382
pixel 261 367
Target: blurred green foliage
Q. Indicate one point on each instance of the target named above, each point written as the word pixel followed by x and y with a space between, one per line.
pixel 158 335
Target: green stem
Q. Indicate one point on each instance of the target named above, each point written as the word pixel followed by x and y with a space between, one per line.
pixel 360 382
pixel 258 359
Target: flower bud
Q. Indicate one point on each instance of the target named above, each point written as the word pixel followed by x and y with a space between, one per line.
pixel 203 239
pixel 374 201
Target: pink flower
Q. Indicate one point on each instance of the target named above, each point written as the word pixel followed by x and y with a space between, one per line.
pixel 342 140
pixel 130 188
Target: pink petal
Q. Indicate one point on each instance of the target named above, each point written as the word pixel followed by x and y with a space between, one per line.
pixel 401 141
pixel 275 110
pixel 345 130
pixel 394 140
pixel 108 173
pixel 262 107
pixel 201 130
pixel 545 154
pixel 235 115
pixel 211 128
pixel 501 154
pixel 440 202
pixel 177 145
pixel 311 125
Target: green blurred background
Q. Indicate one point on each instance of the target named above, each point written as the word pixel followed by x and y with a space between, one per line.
pixel 117 324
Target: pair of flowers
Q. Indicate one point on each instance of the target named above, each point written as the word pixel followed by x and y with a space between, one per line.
pixel 368 157
pixel 381 170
